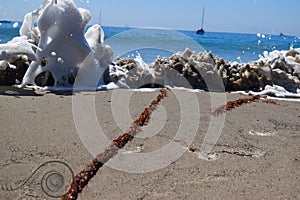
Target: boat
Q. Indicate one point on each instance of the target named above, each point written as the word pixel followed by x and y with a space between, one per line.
pixel 282 35
pixel 201 31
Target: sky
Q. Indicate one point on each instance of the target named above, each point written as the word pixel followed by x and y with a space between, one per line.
pixel 239 16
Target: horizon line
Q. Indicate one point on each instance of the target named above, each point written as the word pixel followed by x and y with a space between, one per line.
pixel 137 27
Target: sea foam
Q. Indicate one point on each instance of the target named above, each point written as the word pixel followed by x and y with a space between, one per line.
pixel 62 47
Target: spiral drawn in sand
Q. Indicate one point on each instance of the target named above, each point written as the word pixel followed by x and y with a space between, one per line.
pixel 54 182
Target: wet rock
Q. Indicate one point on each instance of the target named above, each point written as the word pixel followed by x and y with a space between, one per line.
pixel 248 80
pixel 126 63
pixel 285 80
pixel 282 65
pixel 297 59
pixel 296 71
pixel 137 78
pixel 45 79
pixel 127 73
pixel 13 71
pixel 264 73
pixel 175 78
pixel 8 75
pixel 113 73
pixel 204 71
pixel 186 54
pixel 292 53
pixel 3 65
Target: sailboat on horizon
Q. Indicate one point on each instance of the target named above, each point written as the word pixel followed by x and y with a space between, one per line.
pixel 201 31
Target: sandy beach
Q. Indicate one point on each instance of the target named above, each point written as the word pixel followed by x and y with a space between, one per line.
pixel 149 145
pixel 257 154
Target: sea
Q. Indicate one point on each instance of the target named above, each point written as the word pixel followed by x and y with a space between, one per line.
pixel 238 47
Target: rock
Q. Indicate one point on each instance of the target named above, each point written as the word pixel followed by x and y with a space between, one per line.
pixel 137 78
pixel 8 76
pixel 186 54
pixel 126 63
pixel 206 57
pixel 222 72
pixel 45 79
pixel 12 73
pixel 3 65
pixel 249 80
pixel 285 80
pixel 297 59
pixel 296 70
pixel 292 53
pixel 282 65
pixel 219 61
pixel 114 73
pixel 264 73
pixel 203 71
pixel 179 67
pixel 176 79
pixel 107 76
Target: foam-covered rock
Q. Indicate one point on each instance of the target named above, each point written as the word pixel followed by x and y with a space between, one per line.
pixel 12 72
pixel 102 52
pixel 292 53
pixel 296 70
pixel 62 47
pixel 58 47
pixel 285 80
pixel 204 71
pixel 16 47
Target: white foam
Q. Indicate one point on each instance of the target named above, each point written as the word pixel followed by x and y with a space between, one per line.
pixel 15 25
pixel 17 46
pixel 10 92
pixel 63 48
pixel 263 134
pixel 3 65
pixel 278 92
pixel 145 90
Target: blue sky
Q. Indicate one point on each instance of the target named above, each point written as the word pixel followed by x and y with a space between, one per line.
pixel 247 16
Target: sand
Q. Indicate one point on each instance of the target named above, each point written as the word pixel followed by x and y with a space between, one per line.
pixel 258 152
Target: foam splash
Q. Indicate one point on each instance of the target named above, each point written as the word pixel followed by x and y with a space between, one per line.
pixel 17 46
pixel 262 134
pixel 61 48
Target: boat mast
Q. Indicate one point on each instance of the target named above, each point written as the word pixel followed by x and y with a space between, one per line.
pixel 201 31
pixel 100 17
pixel 203 17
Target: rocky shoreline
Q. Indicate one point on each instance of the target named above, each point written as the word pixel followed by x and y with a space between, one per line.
pixel 36 59
pixel 184 69
pixel 194 70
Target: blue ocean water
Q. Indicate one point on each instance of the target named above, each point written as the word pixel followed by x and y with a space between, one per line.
pixel 229 46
